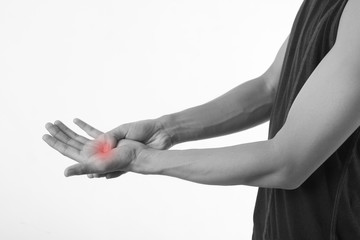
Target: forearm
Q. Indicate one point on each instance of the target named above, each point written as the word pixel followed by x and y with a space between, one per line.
pixel 245 106
pixel 253 164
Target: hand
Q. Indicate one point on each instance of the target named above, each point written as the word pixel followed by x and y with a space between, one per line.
pixel 150 132
pixel 100 157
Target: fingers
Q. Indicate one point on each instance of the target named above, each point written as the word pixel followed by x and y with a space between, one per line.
pixel 63 148
pixel 57 133
pixel 107 175
pixel 71 133
pixel 91 131
pixel 115 174
pixel 82 169
pixel 78 169
pixel 96 175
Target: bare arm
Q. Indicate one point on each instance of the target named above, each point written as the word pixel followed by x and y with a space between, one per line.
pixel 324 114
pixel 243 107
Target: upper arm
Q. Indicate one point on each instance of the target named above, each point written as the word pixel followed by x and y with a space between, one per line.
pixel 326 110
pixel 272 75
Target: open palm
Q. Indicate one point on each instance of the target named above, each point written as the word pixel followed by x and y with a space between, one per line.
pixel 99 157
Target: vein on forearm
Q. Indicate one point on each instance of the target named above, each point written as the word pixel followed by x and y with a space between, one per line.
pixel 243 107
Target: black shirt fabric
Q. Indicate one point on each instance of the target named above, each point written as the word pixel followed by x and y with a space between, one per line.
pixel 327 204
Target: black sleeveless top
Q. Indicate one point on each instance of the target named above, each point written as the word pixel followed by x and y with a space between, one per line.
pixel 327 205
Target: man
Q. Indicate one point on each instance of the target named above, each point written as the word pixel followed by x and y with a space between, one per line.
pixel 308 171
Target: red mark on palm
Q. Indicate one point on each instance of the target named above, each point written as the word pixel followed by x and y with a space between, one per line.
pixel 103 150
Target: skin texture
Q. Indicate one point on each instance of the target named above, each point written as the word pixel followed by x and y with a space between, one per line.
pixel 324 114
pixel 82 149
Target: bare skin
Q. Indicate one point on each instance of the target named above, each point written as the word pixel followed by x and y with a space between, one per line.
pixel 330 95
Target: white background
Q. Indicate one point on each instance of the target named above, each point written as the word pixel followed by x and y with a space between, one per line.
pixel 111 62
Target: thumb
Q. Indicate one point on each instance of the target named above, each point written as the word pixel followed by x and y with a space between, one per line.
pixel 119 132
pixel 108 140
pixel 77 169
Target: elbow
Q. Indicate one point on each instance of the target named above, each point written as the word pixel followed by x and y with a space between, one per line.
pixel 290 184
pixel 291 177
pixel 288 175
pixel 282 177
pixel 282 180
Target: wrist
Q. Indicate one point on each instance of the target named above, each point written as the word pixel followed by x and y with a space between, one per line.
pixel 170 126
pixel 144 162
pixel 184 126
